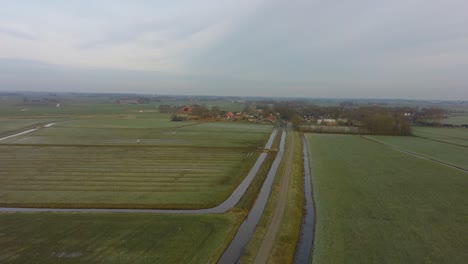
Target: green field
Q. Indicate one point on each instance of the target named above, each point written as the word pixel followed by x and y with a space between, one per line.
pixel 457 136
pixel 141 160
pixel 449 153
pixel 112 238
pixel 378 205
pixel 456 119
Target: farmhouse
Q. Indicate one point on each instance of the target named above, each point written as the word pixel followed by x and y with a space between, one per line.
pixel 326 121
pixel 186 110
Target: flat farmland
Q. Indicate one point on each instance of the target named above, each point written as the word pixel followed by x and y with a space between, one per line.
pixel 145 131
pixel 113 238
pixel 95 163
pixel 456 119
pixel 378 205
pixel 452 154
pixel 457 136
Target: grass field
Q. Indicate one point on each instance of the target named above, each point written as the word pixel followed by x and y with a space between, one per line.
pixel 113 238
pixel 378 205
pixel 142 161
pixel 452 154
pixel 456 119
pixel 457 136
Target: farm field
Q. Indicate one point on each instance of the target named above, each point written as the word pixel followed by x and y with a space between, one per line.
pixel 458 136
pixel 148 131
pixel 452 154
pixel 456 119
pixel 113 238
pixel 378 205
pixel 141 162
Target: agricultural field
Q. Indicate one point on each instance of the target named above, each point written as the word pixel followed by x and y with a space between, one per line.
pixel 457 136
pixel 375 204
pixel 452 154
pixel 132 159
pixel 456 119
pixel 113 238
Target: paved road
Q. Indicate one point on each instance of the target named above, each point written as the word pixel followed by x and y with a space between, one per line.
pixel 19 134
pixel 228 204
pixel 275 222
pixel 25 132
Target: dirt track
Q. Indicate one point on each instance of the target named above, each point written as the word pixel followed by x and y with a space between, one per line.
pixel 275 223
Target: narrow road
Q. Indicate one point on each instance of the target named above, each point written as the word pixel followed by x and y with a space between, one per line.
pixel 225 206
pixel 25 132
pixel 275 222
pixel 416 154
pixel 19 134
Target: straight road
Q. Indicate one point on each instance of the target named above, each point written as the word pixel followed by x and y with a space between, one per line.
pixel 275 223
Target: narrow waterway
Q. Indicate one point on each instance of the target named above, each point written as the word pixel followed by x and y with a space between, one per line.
pixel 228 204
pixel 306 240
pixel 247 228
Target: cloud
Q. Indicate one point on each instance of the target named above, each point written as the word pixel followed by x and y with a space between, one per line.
pixel 17 31
pixel 358 48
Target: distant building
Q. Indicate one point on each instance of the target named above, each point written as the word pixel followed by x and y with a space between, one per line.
pixel 186 110
pixel 272 118
pixel 127 101
pixel 326 121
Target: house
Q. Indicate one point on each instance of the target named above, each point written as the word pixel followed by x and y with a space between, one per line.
pixel 186 110
pixel 238 116
pixel 326 121
pixel 272 118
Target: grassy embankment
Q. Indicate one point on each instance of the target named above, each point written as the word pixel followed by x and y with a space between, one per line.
pixel 378 205
pixel 285 242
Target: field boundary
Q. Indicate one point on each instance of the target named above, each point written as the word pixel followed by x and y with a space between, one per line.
pixel 416 154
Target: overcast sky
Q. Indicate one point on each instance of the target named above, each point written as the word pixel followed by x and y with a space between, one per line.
pixel 415 49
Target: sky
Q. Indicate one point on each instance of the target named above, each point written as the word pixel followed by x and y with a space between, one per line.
pixel 408 49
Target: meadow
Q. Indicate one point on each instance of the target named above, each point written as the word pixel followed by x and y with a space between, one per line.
pixel 456 136
pixel 103 155
pixel 122 156
pixel 456 119
pixel 378 205
pixel 113 238
pixel 452 154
